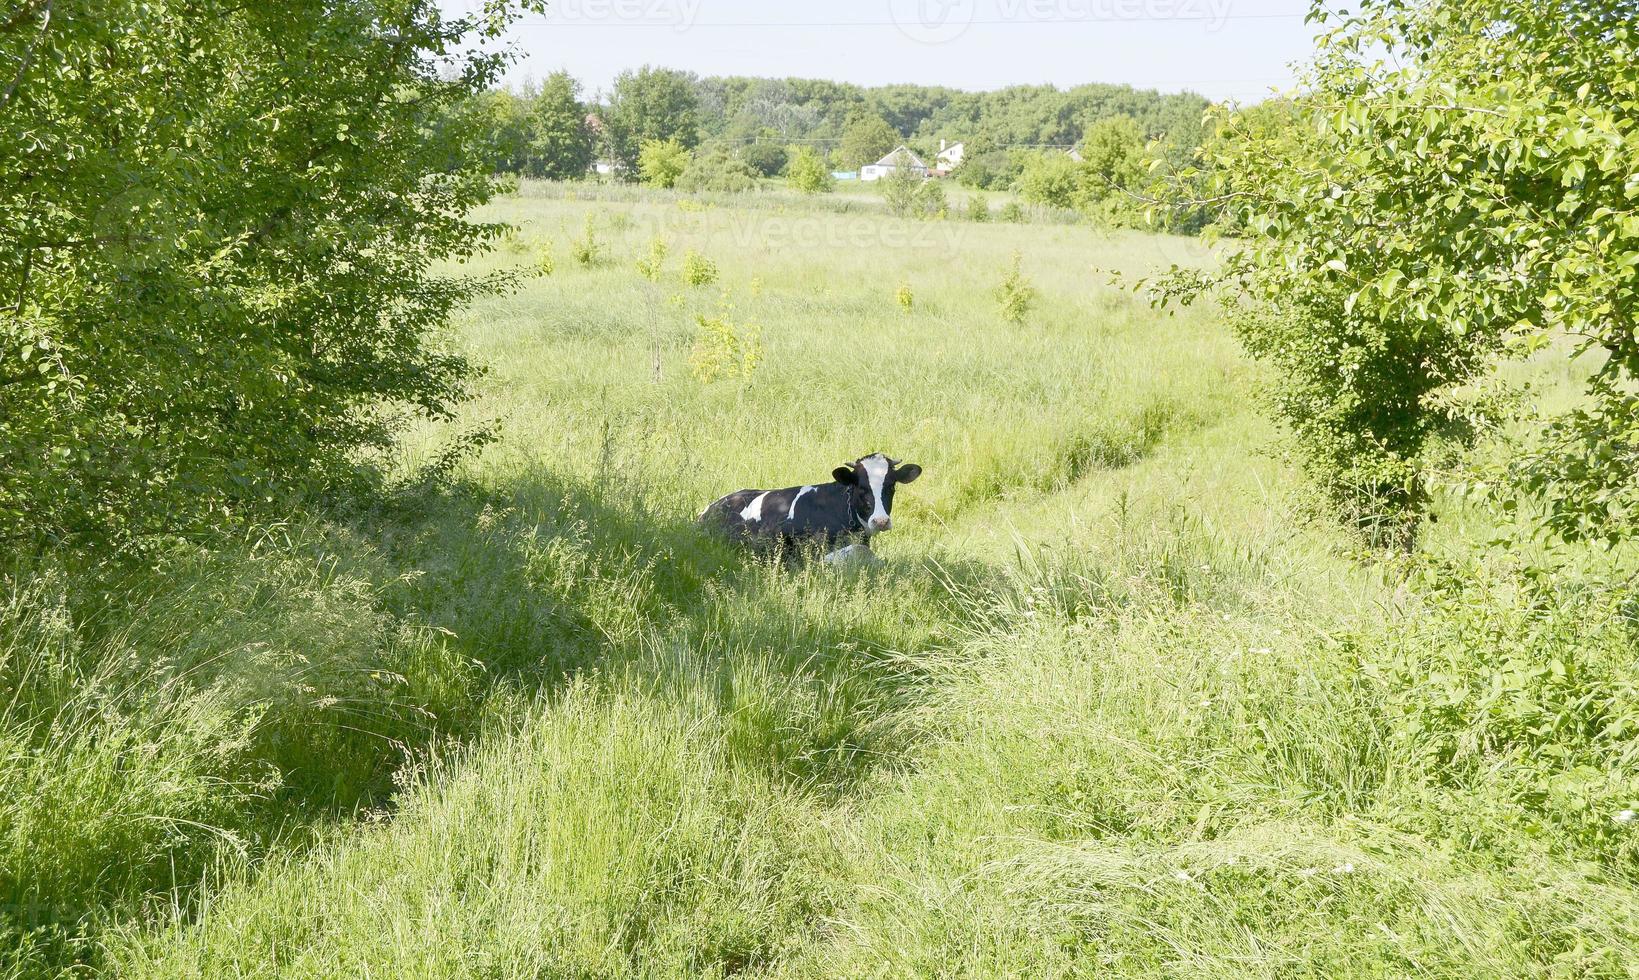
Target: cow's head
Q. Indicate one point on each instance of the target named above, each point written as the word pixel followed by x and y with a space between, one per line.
pixel 871 480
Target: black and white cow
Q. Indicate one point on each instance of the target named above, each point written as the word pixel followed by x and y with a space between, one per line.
pixel 855 504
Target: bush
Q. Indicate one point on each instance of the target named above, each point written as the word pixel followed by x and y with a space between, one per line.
pixel 978 209
pixel 661 162
pixel 1052 179
pixel 767 159
pixel 698 270
pixel 194 337
pixel 1013 213
pixel 904 297
pixel 1386 279
pixel 723 349
pixel 586 249
pixel 717 169
pixel 910 195
pixel 808 172
pixel 650 266
pixel 1015 294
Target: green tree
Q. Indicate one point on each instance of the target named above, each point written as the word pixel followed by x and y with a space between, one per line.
pixel 1467 202
pixel 767 159
pixel 867 139
pixel 651 104
pixel 1113 170
pixel 808 171
pixel 716 168
pixel 908 194
pixel 1051 178
pixel 500 123
pixel 661 162
pixel 220 225
pixel 560 145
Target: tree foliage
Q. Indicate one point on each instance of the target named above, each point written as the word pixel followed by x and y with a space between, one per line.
pixel 1052 179
pixel 716 168
pixel 908 194
pixel 560 145
pixel 218 229
pixel 647 105
pixel 1461 189
pixel 661 162
pixel 867 139
pixel 767 159
pixel 808 171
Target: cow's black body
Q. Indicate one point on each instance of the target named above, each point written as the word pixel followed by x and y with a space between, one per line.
pixel 847 508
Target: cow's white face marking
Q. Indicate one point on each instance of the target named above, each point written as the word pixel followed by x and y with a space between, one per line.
pixel 791 514
pixel 754 510
pixel 876 474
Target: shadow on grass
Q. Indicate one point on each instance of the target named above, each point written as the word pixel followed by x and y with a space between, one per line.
pixel 542 579
pixel 340 653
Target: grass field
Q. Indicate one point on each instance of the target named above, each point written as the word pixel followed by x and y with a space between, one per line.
pixel 1102 714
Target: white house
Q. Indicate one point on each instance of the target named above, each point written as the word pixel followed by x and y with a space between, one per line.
pixel 950 157
pixel 901 157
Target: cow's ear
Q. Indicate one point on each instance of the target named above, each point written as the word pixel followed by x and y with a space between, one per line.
pixel 843 474
pixel 907 473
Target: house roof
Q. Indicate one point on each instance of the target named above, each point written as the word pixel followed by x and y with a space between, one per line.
pixel 910 159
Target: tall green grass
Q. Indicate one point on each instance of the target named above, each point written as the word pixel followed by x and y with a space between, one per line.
pixel 1117 705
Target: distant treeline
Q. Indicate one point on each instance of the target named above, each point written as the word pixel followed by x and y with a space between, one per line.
pixel 548 129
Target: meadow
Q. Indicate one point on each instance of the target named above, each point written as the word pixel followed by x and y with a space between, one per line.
pixel 1119 703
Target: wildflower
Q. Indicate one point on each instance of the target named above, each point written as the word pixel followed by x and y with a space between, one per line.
pixel 1626 816
pixel 1182 876
pixel 1347 867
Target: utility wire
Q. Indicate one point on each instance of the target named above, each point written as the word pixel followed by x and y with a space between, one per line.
pixel 955 22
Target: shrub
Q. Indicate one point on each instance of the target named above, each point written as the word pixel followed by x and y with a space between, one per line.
pixel 650 266
pixel 1052 179
pixel 1013 213
pixel 808 172
pixel 978 208
pixel 767 159
pixel 1395 256
pixel 661 162
pixel 195 336
pixel 1015 294
pixel 717 169
pixel 545 264
pixel 697 269
pixel 586 249
pixel 910 195
pixel 904 297
pixel 723 349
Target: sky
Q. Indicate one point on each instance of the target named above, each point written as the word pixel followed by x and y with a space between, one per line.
pixel 1223 49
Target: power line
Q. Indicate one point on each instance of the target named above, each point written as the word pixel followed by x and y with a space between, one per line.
pixel 954 24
